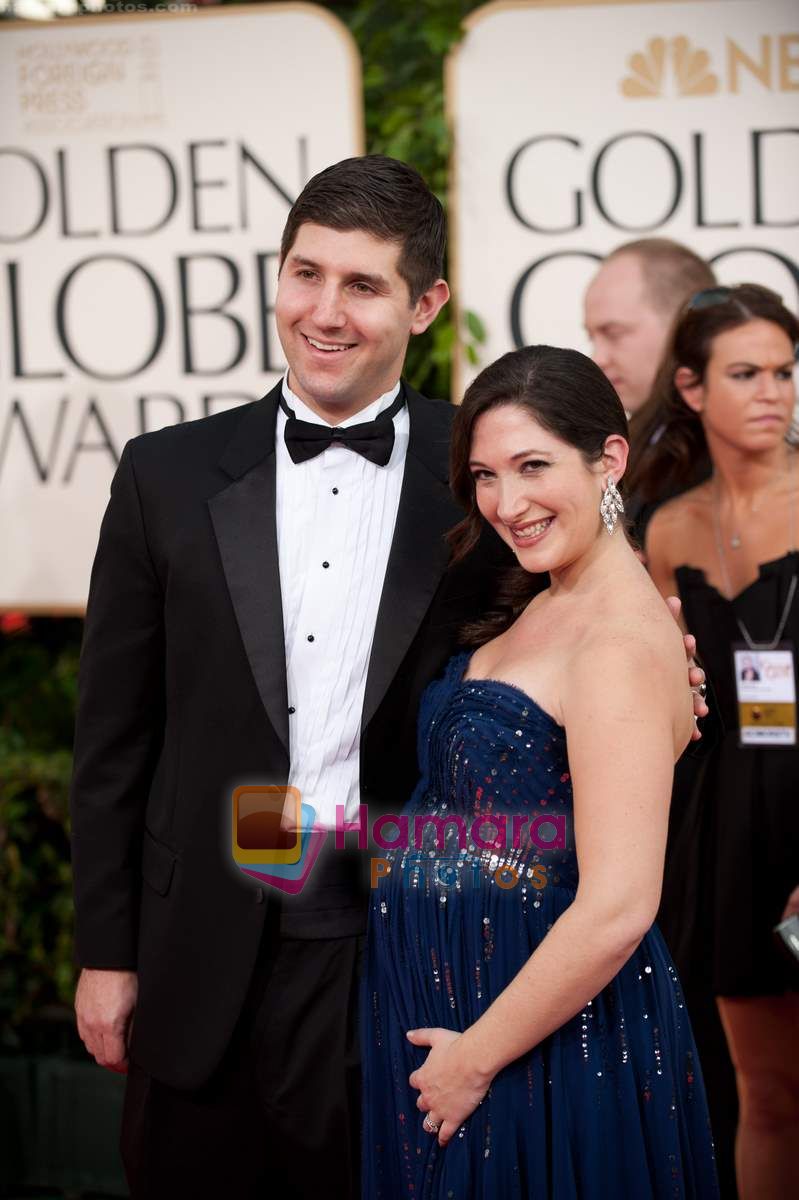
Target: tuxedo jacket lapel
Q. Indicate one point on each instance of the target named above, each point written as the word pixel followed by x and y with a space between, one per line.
pixel 243 516
pixel 419 554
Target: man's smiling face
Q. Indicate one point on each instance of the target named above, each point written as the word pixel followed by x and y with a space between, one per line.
pixel 344 317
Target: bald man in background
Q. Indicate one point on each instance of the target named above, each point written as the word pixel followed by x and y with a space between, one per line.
pixel 629 308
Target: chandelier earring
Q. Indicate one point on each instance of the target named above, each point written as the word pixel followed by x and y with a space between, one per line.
pixel 611 506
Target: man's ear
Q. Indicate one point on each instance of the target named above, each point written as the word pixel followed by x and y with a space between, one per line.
pixel 691 388
pixel 429 305
pixel 614 456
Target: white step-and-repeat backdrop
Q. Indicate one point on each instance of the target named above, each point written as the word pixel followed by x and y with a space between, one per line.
pixel 581 125
pixel 147 165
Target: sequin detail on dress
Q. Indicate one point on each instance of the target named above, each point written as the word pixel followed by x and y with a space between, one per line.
pixel 612 1104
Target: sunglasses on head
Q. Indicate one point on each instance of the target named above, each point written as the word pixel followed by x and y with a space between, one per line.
pixel 720 295
pixel 708 297
pixel 738 295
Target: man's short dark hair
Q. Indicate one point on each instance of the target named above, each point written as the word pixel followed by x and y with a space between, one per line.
pixel 672 271
pixel 381 196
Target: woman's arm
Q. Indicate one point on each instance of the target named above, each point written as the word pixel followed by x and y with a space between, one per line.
pixel 623 737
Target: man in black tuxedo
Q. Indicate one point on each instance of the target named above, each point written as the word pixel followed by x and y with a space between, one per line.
pixel 220 621
pixel 270 596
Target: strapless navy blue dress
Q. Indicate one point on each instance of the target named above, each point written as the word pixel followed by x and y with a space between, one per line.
pixel 609 1107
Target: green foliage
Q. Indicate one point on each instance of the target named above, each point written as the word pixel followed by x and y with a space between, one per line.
pixel 403 47
pixel 38 669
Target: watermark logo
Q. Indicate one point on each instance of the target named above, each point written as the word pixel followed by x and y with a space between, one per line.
pixel 266 822
pixel 276 840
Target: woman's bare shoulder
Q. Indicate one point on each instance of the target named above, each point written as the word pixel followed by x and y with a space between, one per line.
pixel 665 542
pixel 637 624
pixel 648 630
pixel 673 513
pixel 640 655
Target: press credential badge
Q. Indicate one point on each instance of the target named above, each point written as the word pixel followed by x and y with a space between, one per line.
pixel 766 684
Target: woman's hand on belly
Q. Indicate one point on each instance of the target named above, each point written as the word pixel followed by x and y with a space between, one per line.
pixel 450 1087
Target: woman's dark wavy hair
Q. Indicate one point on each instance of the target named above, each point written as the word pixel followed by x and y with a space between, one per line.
pixel 569 396
pixel 667 441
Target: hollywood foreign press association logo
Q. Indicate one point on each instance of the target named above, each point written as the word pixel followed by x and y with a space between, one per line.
pixel 669 61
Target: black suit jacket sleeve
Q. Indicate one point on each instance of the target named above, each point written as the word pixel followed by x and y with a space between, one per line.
pixel 119 730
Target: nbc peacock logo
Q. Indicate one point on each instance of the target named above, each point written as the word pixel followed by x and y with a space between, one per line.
pixel 669 66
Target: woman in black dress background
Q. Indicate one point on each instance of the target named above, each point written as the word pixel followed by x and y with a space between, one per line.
pixel 729 546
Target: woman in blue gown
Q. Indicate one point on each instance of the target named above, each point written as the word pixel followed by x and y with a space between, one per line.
pixel 524 1029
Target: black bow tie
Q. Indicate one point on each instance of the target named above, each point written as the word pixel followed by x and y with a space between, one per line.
pixel 372 439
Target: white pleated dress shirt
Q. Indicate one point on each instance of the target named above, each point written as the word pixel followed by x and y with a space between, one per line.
pixel 335 522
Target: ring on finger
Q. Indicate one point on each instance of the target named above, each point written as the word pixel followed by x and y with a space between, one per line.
pixel 429 1125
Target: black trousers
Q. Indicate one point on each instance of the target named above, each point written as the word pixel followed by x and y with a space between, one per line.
pixel 281 1114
